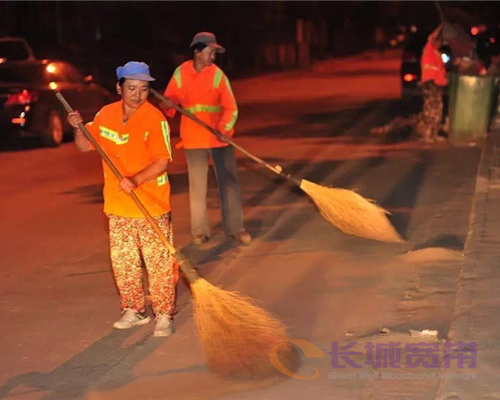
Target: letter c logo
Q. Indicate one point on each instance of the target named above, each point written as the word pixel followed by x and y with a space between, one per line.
pixel 307 348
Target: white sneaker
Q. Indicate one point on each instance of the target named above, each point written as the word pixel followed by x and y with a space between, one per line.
pixel 164 326
pixel 131 318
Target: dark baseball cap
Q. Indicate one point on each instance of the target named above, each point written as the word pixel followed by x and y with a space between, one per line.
pixel 209 39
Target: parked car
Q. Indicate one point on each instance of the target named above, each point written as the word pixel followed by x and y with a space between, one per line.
pixel 28 106
pixel 15 49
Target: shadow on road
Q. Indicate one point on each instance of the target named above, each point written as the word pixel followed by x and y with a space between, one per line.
pixel 90 194
pixel 357 119
pixel 405 193
pixel 259 184
pixel 72 379
pixel 451 242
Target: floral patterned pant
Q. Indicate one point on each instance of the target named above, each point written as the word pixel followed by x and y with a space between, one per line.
pixel 133 241
pixel 432 112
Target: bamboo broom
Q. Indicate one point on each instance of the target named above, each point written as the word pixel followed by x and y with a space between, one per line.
pixel 343 208
pixel 235 333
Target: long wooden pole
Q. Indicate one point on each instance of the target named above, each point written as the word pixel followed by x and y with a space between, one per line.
pixel 184 264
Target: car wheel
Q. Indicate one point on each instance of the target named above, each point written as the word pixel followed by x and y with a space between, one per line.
pixel 54 134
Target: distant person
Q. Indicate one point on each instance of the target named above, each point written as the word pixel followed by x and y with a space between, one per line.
pixel 136 136
pixel 203 90
pixel 428 123
pixel 433 83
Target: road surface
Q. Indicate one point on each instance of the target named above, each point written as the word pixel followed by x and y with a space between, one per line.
pixel 58 298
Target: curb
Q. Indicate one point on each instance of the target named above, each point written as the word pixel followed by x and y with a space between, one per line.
pixel 462 325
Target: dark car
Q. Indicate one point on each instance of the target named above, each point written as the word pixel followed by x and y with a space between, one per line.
pixel 410 72
pixel 28 106
pixel 15 49
pixel 486 42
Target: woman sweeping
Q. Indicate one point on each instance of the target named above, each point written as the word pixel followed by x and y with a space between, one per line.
pixel 136 137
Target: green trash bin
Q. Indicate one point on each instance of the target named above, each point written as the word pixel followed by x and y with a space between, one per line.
pixel 470 106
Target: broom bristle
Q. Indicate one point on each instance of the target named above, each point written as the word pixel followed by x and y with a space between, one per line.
pixel 352 213
pixel 236 334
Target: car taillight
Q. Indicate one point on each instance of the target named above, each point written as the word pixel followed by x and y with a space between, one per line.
pixel 21 98
pixel 409 77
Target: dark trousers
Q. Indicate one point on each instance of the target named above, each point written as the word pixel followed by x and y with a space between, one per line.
pixel 226 172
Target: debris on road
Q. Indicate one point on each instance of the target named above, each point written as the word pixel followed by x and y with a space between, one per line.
pixel 426 333
pixel 432 254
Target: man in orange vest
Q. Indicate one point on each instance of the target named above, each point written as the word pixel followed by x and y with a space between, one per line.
pixel 203 90
pixel 136 137
pixel 433 84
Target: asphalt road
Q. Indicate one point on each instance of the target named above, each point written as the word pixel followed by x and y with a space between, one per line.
pixel 58 299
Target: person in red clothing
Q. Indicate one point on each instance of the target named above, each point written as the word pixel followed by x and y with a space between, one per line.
pixel 203 90
pixel 433 83
pixel 136 137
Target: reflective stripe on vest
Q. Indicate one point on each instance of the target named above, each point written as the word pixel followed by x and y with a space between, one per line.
pixel 202 108
pixel 177 77
pixel 228 85
pixel 162 179
pixel 432 67
pixel 217 78
pixel 231 123
pixel 113 136
pixel 166 135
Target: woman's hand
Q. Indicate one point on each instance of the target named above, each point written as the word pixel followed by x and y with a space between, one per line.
pixel 127 185
pixel 74 119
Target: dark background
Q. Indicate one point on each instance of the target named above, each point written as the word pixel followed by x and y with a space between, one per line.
pixel 259 36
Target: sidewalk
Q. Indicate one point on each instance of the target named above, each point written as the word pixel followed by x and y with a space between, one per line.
pixel 478 305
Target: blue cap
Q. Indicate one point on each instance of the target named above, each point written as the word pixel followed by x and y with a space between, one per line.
pixel 134 70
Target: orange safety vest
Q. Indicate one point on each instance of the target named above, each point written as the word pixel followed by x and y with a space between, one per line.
pixel 208 96
pixel 432 65
pixel 132 146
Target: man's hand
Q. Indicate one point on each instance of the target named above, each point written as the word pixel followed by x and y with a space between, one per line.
pixel 223 138
pixel 127 185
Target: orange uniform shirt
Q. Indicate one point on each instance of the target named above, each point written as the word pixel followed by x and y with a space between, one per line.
pixel 208 96
pixel 132 146
pixel 432 65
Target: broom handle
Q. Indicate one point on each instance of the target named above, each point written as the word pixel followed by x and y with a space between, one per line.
pixel 223 138
pixel 185 265
pixel 441 15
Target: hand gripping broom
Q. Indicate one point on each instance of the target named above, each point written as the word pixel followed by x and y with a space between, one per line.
pixel 345 209
pixel 234 332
